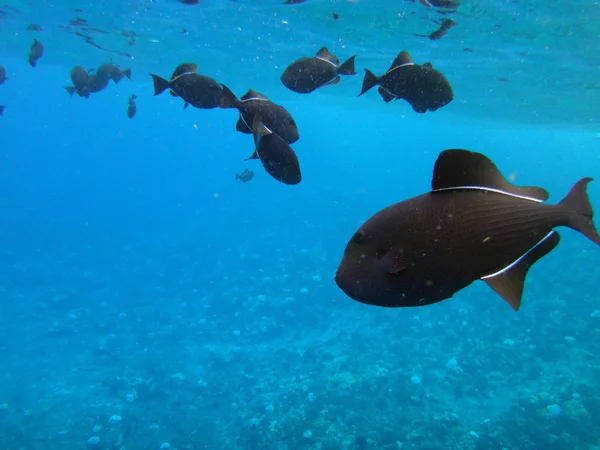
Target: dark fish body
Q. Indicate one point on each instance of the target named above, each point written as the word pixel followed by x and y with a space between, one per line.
pixel 131 108
pixel 34 27
pixel 308 74
pixel 246 176
pixel 473 225
pixel 2 108
pixel 36 52
pixel 81 82
pixel 253 104
pixel 112 72
pixel 3 76
pixel 98 83
pixel 275 154
pixel 443 4
pixel 180 70
pixel 197 90
pixel 423 87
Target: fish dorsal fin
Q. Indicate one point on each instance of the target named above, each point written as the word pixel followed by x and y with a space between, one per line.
pixel 324 54
pixel 462 169
pixel 394 261
pixel 253 95
pixel 509 282
pixel 403 59
pixel 427 65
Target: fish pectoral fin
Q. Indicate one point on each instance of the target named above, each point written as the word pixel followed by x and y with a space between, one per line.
pixel 394 261
pixel 508 283
pixel 385 94
pixel 463 169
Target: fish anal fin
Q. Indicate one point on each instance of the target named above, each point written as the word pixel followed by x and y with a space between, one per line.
pixel 185 105
pixel 323 53
pixel 456 169
pixel 242 126
pixel 252 94
pixel 402 59
pixel 333 81
pixel 509 282
pixel 394 261
pixel 385 94
pixel 254 155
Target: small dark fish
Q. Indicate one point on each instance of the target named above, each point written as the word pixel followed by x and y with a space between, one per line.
pixel 180 70
pixel 2 108
pixel 308 74
pixel 3 76
pixel 473 225
pixel 293 2
pixel 34 27
pixel 336 16
pixel 275 154
pixel 113 72
pixel 444 4
pixel 81 82
pixel 246 176
pixel 274 116
pixel 78 22
pixel 197 90
pixel 131 108
pixel 189 2
pixel 468 50
pixel 423 87
pixel 36 52
pixel 441 32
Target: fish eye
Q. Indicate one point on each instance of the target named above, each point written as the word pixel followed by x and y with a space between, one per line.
pixel 359 236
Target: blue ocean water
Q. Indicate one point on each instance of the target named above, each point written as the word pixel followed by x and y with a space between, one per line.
pixel 149 300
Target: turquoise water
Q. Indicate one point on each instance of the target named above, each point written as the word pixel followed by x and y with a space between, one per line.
pixel 139 279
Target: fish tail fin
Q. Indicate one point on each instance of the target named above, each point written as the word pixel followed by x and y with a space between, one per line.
pixel 160 84
pixel 237 176
pixel 32 62
pixel 348 67
pixel 369 81
pixel 228 99
pixel 127 73
pixel 580 210
pixel 70 90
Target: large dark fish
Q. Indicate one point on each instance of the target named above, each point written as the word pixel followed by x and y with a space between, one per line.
pixel 308 74
pixel 98 83
pixel 275 154
pixel 131 107
pixel 36 52
pixel 3 76
pixel 113 72
pixel 473 225
pixel 197 90
pixel 180 70
pixel 423 87
pixel 273 116
pixel 81 82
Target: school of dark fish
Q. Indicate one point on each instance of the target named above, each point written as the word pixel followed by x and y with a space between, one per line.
pixel 473 225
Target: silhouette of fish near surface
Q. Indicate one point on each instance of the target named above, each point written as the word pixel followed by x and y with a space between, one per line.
pixel 305 75
pixel 473 225
pixel 425 88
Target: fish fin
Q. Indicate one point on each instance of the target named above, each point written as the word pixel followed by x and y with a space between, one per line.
pixel 259 128
pixel 394 261
pixel 427 65
pixel 237 177
pixel 580 210
pixel 333 81
pixel 70 90
pixel 509 282
pixel 323 53
pixel 348 67
pixel 2 108
pixel 133 96
pixel 253 94
pixel 127 73
pixel 369 81
pixel 456 168
pixel 184 68
pixel 185 105
pixel 385 95
pixel 254 155
pixel 419 109
pixel 242 126
pixel 228 98
pixel 172 92
pixel 402 59
pixel 160 84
